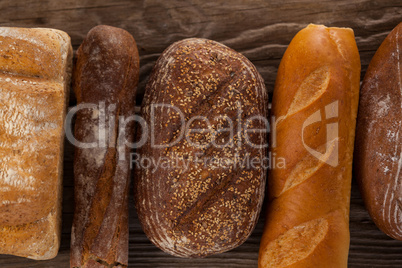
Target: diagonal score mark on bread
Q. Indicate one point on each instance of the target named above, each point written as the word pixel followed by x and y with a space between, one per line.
pixel 337 42
pixel 310 90
pixel 309 165
pixel 291 243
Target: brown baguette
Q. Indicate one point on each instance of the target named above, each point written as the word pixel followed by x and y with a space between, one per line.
pixel 378 155
pixel 201 209
pixel 106 71
pixel 307 218
pixel 35 72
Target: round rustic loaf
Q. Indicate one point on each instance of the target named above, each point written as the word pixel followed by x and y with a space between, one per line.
pixel 205 107
pixel 378 151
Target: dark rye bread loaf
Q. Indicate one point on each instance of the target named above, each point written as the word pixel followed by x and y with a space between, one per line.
pixel 378 155
pixel 106 74
pixel 202 198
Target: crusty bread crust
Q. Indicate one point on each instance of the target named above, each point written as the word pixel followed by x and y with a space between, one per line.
pixel 35 70
pixel 307 218
pixel 378 155
pixel 200 210
pixel 106 73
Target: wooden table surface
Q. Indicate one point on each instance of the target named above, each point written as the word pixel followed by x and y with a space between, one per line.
pixel 261 30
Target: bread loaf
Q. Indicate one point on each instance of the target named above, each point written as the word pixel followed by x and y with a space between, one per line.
pixel 378 155
pixel 197 198
pixel 35 71
pixel 105 77
pixel 314 105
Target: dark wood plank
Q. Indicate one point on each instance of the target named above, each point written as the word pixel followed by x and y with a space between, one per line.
pixel 259 29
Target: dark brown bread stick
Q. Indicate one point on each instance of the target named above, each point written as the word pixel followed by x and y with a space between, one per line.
pixel 106 75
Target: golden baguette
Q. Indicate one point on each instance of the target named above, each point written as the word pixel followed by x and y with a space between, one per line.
pixel 315 105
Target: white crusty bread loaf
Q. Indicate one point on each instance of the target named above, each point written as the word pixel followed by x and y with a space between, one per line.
pixel 35 70
pixel 315 104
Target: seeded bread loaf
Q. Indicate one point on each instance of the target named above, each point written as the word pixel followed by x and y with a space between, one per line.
pixel 35 71
pixel 200 200
pixel 378 155
pixel 315 105
pixel 105 81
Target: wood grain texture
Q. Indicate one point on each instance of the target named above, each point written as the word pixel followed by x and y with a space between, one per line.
pixel 259 29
